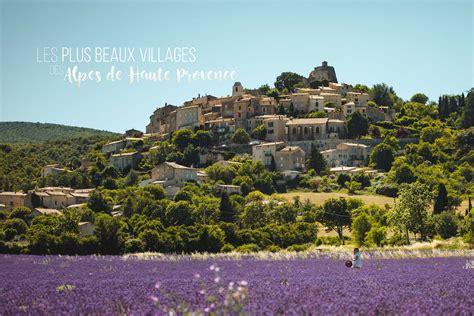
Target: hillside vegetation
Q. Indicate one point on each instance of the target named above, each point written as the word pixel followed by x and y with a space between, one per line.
pixel 34 133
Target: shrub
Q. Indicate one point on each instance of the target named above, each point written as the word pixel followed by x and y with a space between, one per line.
pixel 387 190
pixel 342 178
pixel 298 248
pixel 227 248
pixel 248 248
pixel 134 245
pixel 363 179
pixel 376 236
pixel 330 240
pixel 397 240
pixel 446 224
pixel 273 248
pixel 361 225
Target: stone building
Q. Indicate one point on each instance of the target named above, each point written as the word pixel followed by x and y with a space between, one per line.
pixel 188 117
pixel 173 174
pixel 283 157
pixel 347 154
pixel 306 129
pixel 12 200
pixel 323 73
pixel 125 160
pixel 158 119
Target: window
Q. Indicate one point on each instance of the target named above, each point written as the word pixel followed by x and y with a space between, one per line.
pixel 294 130
pixel 270 124
pixel 317 130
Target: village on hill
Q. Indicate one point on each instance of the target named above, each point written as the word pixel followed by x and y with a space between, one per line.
pixel 291 124
pixel 308 133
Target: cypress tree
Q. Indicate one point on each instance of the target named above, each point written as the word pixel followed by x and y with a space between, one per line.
pixel 441 199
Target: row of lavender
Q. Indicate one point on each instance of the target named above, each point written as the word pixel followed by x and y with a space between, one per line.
pixel 111 285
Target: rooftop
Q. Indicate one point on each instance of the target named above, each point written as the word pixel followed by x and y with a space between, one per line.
pixel 307 121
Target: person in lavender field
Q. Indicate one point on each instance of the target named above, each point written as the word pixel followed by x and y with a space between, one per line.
pixel 357 261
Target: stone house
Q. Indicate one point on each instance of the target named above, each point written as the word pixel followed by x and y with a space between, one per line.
pixel 284 157
pixel 265 106
pixel 306 129
pixel 276 127
pixel 300 102
pixel 332 98
pixel 158 119
pixel 188 117
pixel 114 147
pixel 86 229
pixel 229 189
pixel 347 154
pixel 44 211
pixel 125 160
pixel 358 98
pixel 52 170
pixel 173 174
pixel 290 158
pixel 12 200
pixel 316 103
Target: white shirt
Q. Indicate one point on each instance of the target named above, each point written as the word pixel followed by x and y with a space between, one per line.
pixel 357 262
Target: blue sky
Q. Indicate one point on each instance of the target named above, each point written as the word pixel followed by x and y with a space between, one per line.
pixel 414 46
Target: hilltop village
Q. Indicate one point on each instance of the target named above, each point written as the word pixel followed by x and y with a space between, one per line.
pixel 218 173
pixel 280 131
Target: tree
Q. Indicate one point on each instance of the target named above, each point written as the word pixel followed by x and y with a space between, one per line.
pixel 316 160
pixel 441 202
pixel 353 186
pixel 361 225
pixel 342 178
pixel 404 173
pixel 410 212
pixel 274 94
pixel 360 88
pixel 259 132
pixel 20 212
pixel 288 80
pixel 419 98
pixel 182 138
pixel 335 214
pixel 254 215
pixel 467 118
pixel 317 114
pixel 240 136
pixel 357 125
pixel 382 156
pixel 108 232
pixel 202 139
pixel 228 213
pixel 382 94
pixel 377 235
pixel 446 224
pixel 374 131
pixel 179 213
pixel 264 89
pixel 99 203
pixel 211 238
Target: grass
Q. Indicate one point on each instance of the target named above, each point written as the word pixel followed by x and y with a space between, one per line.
pixel 319 198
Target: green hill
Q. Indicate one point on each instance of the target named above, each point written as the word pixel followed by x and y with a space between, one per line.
pixel 34 133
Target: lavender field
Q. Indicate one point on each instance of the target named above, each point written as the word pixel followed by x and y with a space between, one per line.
pixel 53 285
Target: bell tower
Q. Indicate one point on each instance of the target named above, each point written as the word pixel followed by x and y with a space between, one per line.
pixel 237 89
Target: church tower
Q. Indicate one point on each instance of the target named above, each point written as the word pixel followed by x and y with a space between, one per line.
pixel 237 89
